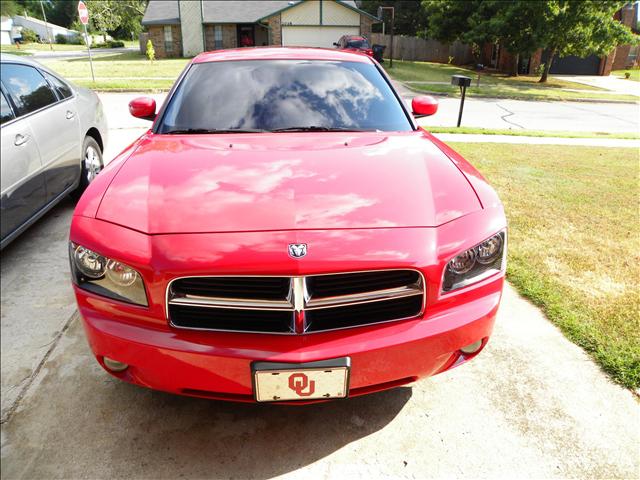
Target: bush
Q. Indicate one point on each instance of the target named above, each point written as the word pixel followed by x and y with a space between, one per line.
pixel 151 53
pixel 110 44
pixel 61 39
pixel 29 36
pixel 627 74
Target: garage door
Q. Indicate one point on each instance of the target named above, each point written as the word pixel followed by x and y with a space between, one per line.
pixel 572 65
pixel 315 36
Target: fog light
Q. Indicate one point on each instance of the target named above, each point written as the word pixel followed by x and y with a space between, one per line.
pixel 114 365
pixel 472 348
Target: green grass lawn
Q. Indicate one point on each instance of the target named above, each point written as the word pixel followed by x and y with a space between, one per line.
pixel 57 47
pixel 531 133
pixel 493 85
pixel 120 72
pixel 574 241
pixel 635 73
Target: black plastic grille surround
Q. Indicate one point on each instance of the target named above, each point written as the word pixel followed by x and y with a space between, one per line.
pixel 273 304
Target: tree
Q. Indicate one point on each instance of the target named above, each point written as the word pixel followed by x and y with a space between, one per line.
pixel 108 15
pixel 563 27
pixel 8 8
pixel 582 28
pixel 470 22
pixel 410 15
pixel 62 12
pixel 519 27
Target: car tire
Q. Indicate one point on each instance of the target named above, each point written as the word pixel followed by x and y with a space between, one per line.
pixel 92 164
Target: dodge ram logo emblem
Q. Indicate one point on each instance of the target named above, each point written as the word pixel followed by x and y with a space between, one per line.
pixel 297 250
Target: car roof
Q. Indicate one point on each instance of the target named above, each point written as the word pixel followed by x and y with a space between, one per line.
pixel 281 53
pixel 8 57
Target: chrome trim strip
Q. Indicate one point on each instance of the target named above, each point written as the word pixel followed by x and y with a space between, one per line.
pixel 367 297
pixel 237 303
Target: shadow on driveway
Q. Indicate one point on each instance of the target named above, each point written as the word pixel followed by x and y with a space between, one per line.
pixel 84 423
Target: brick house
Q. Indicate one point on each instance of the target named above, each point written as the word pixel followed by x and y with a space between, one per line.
pixel 187 27
pixel 623 56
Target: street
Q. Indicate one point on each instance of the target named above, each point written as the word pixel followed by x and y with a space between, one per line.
pixel 532 405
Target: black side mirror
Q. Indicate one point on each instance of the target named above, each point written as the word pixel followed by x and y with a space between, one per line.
pixel 335 44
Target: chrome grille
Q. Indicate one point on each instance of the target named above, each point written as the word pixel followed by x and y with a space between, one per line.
pixel 294 305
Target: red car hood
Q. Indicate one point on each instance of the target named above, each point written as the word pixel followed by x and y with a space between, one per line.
pixel 287 181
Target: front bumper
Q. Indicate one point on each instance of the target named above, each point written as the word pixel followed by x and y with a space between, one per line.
pixel 218 364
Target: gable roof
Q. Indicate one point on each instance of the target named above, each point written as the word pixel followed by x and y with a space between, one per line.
pixel 165 12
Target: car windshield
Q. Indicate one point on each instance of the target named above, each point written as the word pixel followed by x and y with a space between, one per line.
pixel 358 43
pixel 284 95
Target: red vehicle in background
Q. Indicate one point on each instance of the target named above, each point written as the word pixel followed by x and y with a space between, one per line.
pixel 354 43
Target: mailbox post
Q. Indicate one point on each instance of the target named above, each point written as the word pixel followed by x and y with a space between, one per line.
pixel 462 82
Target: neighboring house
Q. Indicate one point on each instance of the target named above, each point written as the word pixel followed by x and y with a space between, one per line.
pixel 5 30
pixel 187 27
pixel 42 29
pixel 623 56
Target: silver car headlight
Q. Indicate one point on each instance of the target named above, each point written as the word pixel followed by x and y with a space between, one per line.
pixel 104 276
pixel 477 263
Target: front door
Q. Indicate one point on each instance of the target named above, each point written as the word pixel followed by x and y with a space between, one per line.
pixel 246 35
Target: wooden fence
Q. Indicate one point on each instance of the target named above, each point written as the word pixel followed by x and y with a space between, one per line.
pixel 414 48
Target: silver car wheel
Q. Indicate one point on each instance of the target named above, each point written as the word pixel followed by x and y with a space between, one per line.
pixel 92 163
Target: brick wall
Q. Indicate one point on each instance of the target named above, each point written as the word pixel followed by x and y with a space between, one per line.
pixel 229 36
pixel 156 35
pixel 276 29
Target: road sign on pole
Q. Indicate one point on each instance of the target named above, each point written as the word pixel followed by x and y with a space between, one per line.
pixel 83 12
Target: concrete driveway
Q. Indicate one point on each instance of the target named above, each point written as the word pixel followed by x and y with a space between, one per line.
pixel 609 82
pixel 533 405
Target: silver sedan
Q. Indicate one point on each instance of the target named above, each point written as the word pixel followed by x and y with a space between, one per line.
pixel 53 134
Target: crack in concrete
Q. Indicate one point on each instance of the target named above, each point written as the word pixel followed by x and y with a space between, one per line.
pixel 509 113
pixel 38 368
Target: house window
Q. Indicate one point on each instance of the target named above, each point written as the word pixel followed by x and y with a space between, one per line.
pixel 168 39
pixel 217 37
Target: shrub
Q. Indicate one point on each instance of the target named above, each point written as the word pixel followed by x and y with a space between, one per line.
pixel 61 39
pixel 627 74
pixel 540 69
pixel 110 44
pixel 151 53
pixel 29 36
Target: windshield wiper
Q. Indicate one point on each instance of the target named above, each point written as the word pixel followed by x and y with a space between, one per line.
pixel 214 130
pixel 313 128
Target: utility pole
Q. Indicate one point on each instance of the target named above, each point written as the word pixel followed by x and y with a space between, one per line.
pixel 46 25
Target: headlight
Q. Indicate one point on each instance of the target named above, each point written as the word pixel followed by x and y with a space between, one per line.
pixel 475 264
pixel 105 276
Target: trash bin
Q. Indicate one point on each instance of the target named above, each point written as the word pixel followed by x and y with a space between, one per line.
pixel 378 51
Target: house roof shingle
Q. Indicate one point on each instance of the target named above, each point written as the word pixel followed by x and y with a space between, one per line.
pixel 164 12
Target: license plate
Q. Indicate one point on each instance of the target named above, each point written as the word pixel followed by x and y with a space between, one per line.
pixel 274 382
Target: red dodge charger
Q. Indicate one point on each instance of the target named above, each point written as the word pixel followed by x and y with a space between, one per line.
pixel 285 232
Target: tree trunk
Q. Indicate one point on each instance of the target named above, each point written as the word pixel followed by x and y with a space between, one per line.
pixel 547 66
pixel 514 67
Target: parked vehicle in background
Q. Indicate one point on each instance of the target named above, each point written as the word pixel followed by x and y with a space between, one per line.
pixel 53 135
pixel 355 43
pixel 286 232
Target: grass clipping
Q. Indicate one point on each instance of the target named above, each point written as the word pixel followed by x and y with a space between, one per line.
pixel 574 241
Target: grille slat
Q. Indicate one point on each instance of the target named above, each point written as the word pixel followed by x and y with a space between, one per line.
pixel 363 314
pixel 268 304
pixel 264 321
